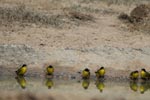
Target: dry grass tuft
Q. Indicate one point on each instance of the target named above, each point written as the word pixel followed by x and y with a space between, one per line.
pixel 81 16
pixel 23 15
pixel 124 16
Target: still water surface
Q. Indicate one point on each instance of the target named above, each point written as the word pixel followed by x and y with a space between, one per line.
pixel 78 89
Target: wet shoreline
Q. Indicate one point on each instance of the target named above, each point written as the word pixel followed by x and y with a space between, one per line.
pixel 36 89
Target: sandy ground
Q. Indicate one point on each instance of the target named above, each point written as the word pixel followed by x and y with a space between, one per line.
pixel 104 41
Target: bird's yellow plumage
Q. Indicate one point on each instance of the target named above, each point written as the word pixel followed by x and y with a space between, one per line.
pixel 50 70
pixel 100 72
pixel 134 75
pixel 86 73
pixel 144 74
pixel 21 71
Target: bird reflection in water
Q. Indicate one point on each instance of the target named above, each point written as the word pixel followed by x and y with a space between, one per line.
pixel 49 83
pixel 85 83
pixel 21 81
pixel 144 86
pixel 100 84
pixel 134 86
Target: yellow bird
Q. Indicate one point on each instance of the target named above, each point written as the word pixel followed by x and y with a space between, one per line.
pixel 100 85
pixel 22 82
pixel 100 73
pixel 85 84
pixel 50 70
pixel 144 74
pixel 134 85
pixel 86 73
pixel 49 83
pixel 21 71
pixel 134 75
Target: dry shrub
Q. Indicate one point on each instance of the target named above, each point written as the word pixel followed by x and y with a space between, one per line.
pixel 140 13
pixel 139 18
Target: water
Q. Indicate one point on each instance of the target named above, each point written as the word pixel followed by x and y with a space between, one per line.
pixel 76 89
